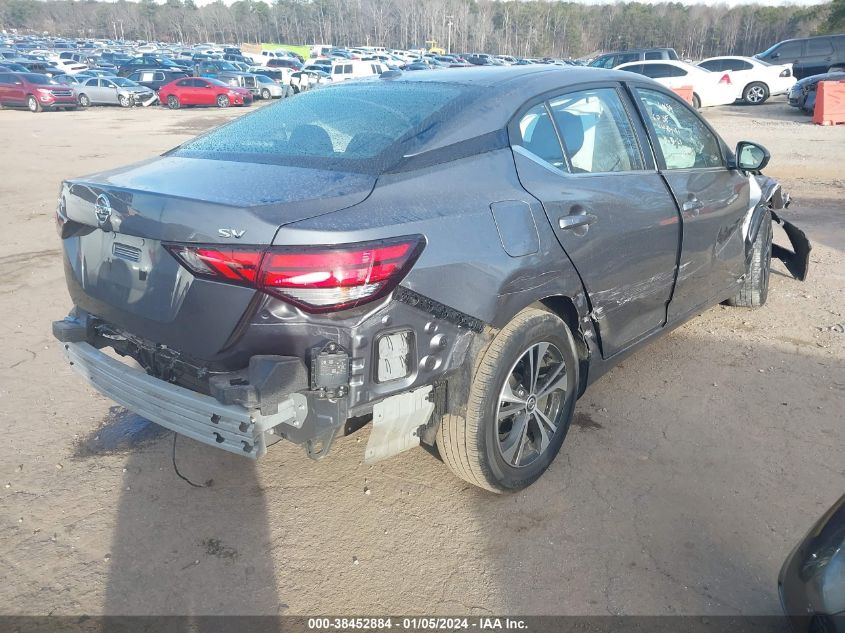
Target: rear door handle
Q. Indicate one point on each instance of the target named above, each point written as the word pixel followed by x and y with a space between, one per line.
pixel 693 205
pixel 576 220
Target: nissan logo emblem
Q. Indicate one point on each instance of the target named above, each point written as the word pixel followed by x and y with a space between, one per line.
pixel 102 209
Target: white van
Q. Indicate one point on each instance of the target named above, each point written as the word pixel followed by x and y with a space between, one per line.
pixel 356 69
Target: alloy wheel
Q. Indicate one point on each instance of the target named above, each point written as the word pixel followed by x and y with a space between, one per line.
pixel 756 94
pixel 530 404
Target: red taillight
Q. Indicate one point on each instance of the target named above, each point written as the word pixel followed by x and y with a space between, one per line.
pixel 316 278
pixel 726 79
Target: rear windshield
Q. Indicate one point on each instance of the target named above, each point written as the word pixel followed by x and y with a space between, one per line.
pixel 361 126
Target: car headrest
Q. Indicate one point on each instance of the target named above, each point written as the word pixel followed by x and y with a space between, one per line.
pixel 311 139
pixel 571 129
pixel 543 141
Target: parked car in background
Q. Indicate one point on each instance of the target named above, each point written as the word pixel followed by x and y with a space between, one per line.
pixel 616 59
pixel 41 68
pixel 811 582
pixel 247 81
pixel 356 69
pixel 114 91
pixel 809 55
pixel 279 75
pixel 273 285
pixel 148 63
pixel 803 92
pixel 80 58
pixel 269 89
pixel 709 89
pixel 201 91
pixel 284 62
pixel 70 67
pixel 155 79
pixel 35 92
pixel 307 79
pixel 12 67
pixel 757 80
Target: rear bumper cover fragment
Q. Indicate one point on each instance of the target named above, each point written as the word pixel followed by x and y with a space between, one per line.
pixel 231 427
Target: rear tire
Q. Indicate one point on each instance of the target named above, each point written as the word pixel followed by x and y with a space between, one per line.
pixel 32 104
pixel 222 101
pixel 84 101
pixel 512 430
pixel 755 286
pixel 696 101
pixel 173 102
pixel 755 93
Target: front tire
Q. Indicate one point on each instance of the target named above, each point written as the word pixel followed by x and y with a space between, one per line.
pixel 519 407
pixel 124 101
pixel 32 104
pixel 265 94
pixel 755 286
pixel 222 101
pixel 755 93
pixel 84 101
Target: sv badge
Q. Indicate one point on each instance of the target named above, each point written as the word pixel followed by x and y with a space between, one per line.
pixel 236 233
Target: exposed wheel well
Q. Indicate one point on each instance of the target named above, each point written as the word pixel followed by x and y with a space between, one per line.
pixel 564 308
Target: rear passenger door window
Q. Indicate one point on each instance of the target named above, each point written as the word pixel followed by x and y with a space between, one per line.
pixel 538 136
pixel 684 141
pixel 597 133
pixel 819 47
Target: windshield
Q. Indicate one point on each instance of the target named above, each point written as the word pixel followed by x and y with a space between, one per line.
pixel 217 82
pixel 364 126
pixel 265 79
pixel 41 80
pixel 123 82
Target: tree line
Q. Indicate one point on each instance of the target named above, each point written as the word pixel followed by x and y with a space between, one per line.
pixel 529 28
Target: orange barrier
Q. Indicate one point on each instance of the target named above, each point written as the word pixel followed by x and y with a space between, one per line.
pixel 830 103
pixel 684 92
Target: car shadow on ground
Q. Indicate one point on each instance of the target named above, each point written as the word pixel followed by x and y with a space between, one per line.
pixel 688 474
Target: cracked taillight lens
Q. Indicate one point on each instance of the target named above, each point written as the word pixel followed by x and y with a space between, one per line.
pixel 315 278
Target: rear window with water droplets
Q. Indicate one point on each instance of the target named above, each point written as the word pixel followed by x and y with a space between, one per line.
pixel 356 126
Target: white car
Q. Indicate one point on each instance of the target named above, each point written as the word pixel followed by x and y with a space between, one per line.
pixel 69 67
pixel 757 80
pixel 709 89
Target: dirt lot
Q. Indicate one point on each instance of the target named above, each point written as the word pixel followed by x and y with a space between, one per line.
pixel 690 472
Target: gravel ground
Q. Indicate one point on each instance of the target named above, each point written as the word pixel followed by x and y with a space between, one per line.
pixel 690 471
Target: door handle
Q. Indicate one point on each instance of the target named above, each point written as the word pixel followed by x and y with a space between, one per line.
pixel 576 220
pixel 692 206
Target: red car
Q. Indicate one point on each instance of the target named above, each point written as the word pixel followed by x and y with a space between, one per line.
pixel 202 91
pixel 36 92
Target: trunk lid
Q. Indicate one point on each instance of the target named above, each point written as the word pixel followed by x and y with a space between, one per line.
pixel 118 269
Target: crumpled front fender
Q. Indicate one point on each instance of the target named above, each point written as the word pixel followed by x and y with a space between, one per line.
pixel 773 199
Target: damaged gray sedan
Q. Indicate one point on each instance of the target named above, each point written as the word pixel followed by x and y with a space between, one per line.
pixel 453 257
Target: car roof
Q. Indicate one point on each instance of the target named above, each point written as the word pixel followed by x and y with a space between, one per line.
pixel 742 57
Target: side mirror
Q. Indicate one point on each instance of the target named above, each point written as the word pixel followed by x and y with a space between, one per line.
pixel 774 55
pixel 751 156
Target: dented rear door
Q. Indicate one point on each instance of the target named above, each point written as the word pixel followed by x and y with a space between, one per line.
pixel 617 221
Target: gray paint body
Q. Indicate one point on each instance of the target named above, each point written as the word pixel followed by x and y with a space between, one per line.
pixel 492 244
